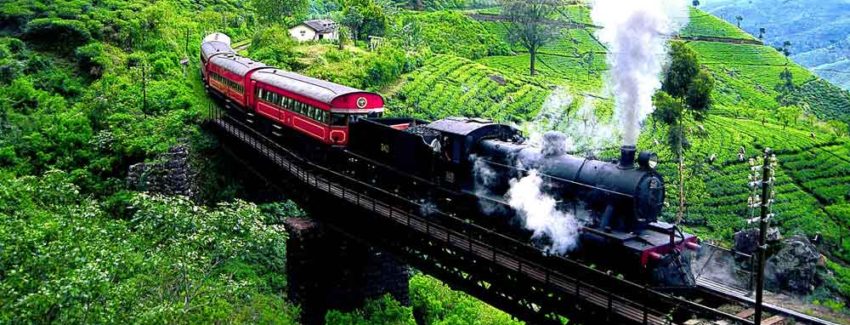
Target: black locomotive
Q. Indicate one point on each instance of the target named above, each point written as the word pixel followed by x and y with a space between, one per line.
pixel 473 161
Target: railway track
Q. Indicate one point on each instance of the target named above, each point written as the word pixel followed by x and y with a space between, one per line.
pixel 622 299
pixel 742 297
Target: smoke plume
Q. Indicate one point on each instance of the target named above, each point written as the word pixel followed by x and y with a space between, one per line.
pixel 636 34
pixel 588 134
pixel 554 109
pixel 485 178
pixel 539 213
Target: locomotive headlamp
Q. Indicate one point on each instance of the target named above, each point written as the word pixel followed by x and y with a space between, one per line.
pixel 647 159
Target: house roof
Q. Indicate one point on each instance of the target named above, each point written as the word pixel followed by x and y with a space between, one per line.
pixel 321 25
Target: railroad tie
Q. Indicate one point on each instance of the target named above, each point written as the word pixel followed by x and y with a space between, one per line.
pixel 774 320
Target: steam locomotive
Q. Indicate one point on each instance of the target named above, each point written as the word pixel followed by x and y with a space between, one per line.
pixel 458 165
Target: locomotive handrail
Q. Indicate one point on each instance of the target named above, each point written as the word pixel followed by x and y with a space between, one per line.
pixel 608 281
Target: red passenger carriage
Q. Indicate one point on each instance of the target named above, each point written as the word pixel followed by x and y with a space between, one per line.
pixel 317 108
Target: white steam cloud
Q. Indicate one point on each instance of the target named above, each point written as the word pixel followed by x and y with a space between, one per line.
pixel 539 213
pixel 588 134
pixel 636 34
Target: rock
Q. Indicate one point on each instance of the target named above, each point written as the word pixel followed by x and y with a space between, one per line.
pixel 746 241
pixel 170 174
pixel 498 79
pixel 794 267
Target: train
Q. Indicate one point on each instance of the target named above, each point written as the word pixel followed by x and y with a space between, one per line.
pixel 459 165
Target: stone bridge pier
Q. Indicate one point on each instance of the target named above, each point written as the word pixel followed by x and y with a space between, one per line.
pixel 327 271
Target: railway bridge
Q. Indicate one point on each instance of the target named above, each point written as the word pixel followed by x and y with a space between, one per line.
pixel 510 275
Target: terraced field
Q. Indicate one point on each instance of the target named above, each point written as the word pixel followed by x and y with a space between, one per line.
pixel 747 75
pixel 452 86
pixel 703 24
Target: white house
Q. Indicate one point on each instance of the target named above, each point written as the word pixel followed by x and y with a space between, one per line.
pixel 314 30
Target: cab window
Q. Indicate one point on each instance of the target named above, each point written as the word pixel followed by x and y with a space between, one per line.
pixel 339 119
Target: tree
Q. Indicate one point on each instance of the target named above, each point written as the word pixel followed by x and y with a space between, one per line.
pixel 530 24
pixel 840 128
pixel 788 114
pixel 364 18
pixel 786 48
pixel 739 18
pixel 762 31
pixel 342 36
pixel 685 95
pixel 696 3
pixel 284 12
pixel 785 88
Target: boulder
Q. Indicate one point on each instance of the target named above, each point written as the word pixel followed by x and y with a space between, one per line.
pixel 794 267
pixel 746 241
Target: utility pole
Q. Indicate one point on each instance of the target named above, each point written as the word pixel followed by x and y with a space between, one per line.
pixel 767 195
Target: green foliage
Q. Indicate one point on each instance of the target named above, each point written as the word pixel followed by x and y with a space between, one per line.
pixel 439 31
pixel 365 18
pixel 824 99
pixel 283 12
pixel 46 31
pixel 360 69
pixel 703 24
pixel 789 114
pixel 686 81
pixel 66 261
pixel 439 304
pixel 453 86
pixel 384 310
pixel 746 76
pixel 530 24
pixel 92 59
pixel 273 46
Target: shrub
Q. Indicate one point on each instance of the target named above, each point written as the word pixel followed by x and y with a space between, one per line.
pixel 91 59
pixel 57 33
pixel 384 310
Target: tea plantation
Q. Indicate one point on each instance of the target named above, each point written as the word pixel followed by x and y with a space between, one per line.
pixel 77 243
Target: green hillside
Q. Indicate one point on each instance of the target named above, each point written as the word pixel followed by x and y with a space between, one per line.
pixel 744 114
pixel 113 92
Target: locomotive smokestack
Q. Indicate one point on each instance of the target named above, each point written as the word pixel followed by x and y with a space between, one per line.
pixel 627 156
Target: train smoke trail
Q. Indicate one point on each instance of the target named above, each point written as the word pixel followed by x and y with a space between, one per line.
pixel 636 34
pixel 590 135
pixel 539 213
